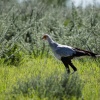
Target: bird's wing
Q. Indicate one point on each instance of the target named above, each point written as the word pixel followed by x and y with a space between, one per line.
pixel 65 51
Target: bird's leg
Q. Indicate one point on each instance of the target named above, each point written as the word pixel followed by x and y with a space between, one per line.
pixel 63 59
pixel 71 64
pixel 67 68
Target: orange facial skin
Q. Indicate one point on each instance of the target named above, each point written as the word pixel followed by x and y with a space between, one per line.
pixel 44 37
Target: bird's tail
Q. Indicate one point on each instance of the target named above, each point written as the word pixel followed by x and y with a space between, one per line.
pixel 80 52
pixel 97 55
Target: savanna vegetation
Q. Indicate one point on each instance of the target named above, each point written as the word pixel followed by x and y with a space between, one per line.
pixel 27 68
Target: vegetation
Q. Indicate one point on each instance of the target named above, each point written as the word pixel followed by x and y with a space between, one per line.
pixel 27 69
pixel 47 79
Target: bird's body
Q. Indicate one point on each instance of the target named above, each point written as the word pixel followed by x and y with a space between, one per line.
pixel 66 53
pixel 60 50
pixel 63 51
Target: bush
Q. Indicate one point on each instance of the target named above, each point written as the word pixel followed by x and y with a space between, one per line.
pixel 24 24
pixel 13 56
pixel 54 86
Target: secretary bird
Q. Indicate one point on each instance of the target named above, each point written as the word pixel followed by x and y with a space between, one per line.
pixel 66 53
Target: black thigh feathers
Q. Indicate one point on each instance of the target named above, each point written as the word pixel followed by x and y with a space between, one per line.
pixel 67 61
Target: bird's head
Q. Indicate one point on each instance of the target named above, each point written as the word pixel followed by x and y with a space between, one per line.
pixel 45 37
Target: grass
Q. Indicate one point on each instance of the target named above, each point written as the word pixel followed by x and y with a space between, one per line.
pixel 46 79
pixel 23 77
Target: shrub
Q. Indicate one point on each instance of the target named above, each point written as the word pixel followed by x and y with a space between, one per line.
pixel 54 86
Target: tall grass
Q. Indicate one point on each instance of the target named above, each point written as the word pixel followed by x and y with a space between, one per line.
pixel 37 79
pixel 27 70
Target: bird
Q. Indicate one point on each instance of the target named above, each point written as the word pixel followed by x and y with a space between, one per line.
pixel 66 53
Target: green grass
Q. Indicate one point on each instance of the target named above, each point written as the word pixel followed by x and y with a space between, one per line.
pixel 46 79
pixel 21 27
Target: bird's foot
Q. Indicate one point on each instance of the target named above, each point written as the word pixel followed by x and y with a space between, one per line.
pixel 68 71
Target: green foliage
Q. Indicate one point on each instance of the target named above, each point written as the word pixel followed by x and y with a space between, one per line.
pixel 55 2
pixel 47 79
pixel 24 24
pixel 21 27
pixel 12 56
pixel 53 86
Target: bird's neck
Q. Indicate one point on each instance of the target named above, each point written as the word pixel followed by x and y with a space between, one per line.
pixel 50 41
